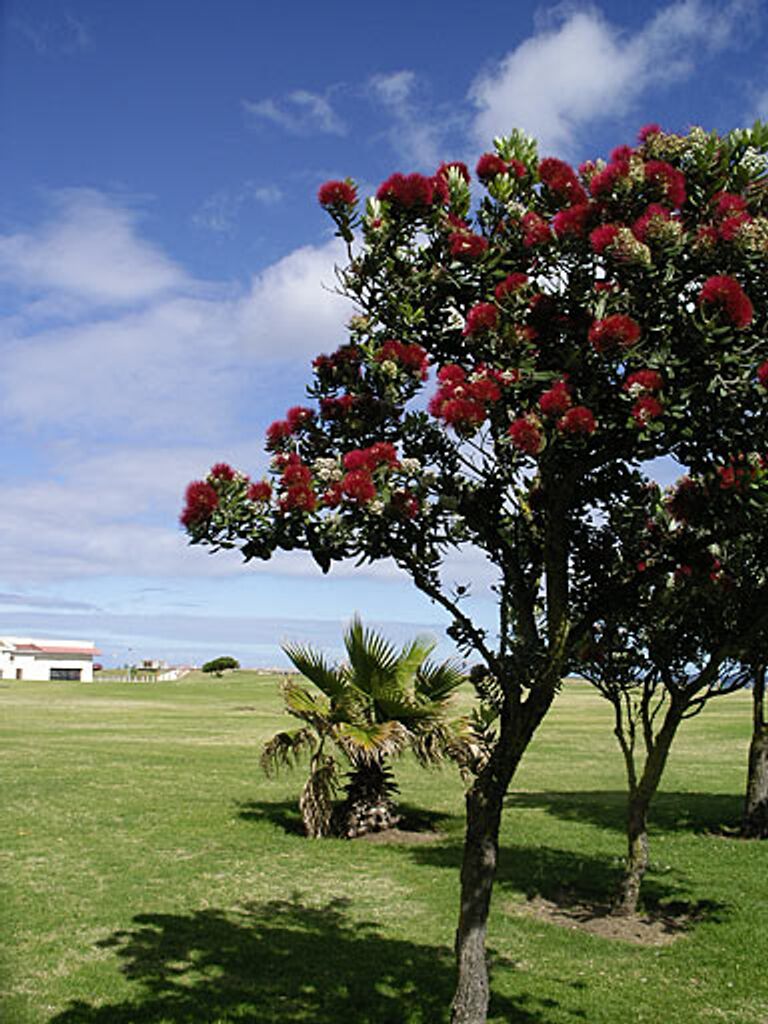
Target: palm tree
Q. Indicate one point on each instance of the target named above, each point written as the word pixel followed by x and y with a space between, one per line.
pixel 370 708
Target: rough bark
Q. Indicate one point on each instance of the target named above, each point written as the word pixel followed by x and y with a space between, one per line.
pixel 754 823
pixel 638 804
pixel 481 849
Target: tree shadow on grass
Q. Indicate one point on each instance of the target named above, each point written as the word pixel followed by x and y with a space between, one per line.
pixel 282 962
pixel 567 878
pixel 670 812
pixel 284 814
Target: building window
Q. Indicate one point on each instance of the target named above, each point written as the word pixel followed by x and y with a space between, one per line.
pixel 65 673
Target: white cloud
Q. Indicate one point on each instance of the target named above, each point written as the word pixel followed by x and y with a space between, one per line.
pixel 90 250
pixel 416 132
pixel 182 360
pixel 584 69
pixel 300 113
pixel 222 211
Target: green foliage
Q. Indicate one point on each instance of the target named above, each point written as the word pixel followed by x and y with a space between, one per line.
pixel 374 706
pixel 219 666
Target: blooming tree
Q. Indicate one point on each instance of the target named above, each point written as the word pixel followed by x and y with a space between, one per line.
pixel 510 369
pixel 694 629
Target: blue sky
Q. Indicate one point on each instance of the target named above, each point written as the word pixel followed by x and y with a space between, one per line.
pixel 163 261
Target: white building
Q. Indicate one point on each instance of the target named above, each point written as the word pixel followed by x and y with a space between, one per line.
pixel 30 658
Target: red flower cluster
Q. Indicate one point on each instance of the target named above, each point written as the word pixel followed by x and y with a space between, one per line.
pixel 358 485
pixel 762 374
pixel 409 355
pixel 557 400
pixel 299 416
pixel 573 221
pixel 687 500
pixel 736 475
pixel 444 168
pixel 646 408
pixel 296 482
pixel 482 317
pixel 535 230
pixel 460 402
pixel 337 408
pixel 603 236
pixel 726 295
pixel 490 165
pixel 561 180
pixel 730 213
pixel 643 380
pixel 412 191
pixel 669 179
pixel 261 490
pixel 647 131
pixel 652 216
pixel 277 432
pixel 578 420
pixel 221 471
pixel 614 331
pixel 511 284
pixel 406 503
pixel 605 181
pixel 526 435
pixel 467 243
pixel 371 458
pixel 200 500
pixel 337 193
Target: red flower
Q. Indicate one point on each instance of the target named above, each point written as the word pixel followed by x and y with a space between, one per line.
pixel 535 230
pixel 482 317
pixel 200 501
pixel 337 193
pixel 260 491
pixel 299 496
pixel 299 416
pixel 578 420
pixel 222 471
pixel 337 408
pixel 406 503
pixel 613 331
pixel 277 432
pixel 444 168
pixel 489 165
pixel 296 473
pixel 671 180
pixel 408 190
pixel 359 485
pixel 726 295
pixel 762 374
pixel 604 181
pixel 572 221
pixel 646 408
pixel 510 284
pixel 647 131
pixel 686 501
pixel 655 213
pixel 555 401
pixel 726 204
pixel 643 380
pixel 485 389
pixel 525 434
pixel 621 154
pixel 731 225
pixel 411 356
pixel 561 179
pixel 466 243
pixel 603 236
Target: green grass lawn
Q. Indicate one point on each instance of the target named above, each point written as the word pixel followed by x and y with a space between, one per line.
pixel 152 875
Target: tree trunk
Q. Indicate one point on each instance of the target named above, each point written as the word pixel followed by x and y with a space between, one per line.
pixel 481 849
pixel 754 823
pixel 369 805
pixel 638 804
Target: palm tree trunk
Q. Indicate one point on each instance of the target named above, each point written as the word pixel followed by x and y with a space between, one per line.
pixel 369 805
pixel 754 823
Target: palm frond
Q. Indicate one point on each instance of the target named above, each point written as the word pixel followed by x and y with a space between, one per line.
pixel 411 659
pixel 314 667
pixel 371 657
pixel 285 749
pixel 373 742
pixel 437 682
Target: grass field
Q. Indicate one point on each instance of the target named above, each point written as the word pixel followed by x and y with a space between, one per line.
pixel 152 875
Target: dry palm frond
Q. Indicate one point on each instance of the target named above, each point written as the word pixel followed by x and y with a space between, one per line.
pixel 285 749
pixel 317 797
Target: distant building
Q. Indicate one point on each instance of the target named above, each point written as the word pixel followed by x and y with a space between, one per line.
pixel 31 658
